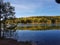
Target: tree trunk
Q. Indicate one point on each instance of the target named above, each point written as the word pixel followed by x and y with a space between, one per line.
pixel 0 25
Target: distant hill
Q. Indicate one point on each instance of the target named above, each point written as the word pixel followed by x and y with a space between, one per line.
pixel 38 20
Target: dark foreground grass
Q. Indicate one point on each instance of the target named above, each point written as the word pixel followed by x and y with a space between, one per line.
pixel 4 41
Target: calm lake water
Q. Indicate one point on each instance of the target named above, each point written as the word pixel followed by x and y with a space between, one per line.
pixel 48 35
pixel 27 35
pixel 38 26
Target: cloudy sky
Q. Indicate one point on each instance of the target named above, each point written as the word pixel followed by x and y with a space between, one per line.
pixel 25 8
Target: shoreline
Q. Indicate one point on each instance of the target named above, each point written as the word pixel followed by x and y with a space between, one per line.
pixel 8 41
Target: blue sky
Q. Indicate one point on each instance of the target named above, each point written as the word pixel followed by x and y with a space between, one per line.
pixel 25 8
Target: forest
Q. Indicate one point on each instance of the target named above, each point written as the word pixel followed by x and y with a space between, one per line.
pixel 36 20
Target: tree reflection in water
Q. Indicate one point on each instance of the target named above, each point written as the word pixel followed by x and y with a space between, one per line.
pixel 38 27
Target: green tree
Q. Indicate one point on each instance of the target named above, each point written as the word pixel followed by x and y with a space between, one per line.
pixel 6 12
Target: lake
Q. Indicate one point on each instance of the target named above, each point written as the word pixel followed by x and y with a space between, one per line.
pixel 38 26
pixel 41 35
pixel 49 37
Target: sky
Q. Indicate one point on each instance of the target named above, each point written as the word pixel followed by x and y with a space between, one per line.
pixel 26 8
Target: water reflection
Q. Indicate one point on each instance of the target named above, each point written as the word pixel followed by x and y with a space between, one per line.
pixel 38 26
pixel 38 34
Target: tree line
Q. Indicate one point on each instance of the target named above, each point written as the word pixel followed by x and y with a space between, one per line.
pixel 37 20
